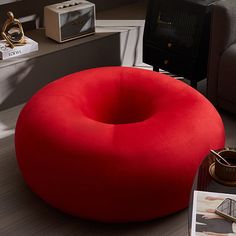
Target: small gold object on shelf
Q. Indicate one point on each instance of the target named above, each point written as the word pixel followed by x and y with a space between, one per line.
pixel 12 31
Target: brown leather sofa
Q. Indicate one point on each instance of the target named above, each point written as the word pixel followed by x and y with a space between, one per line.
pixel 221 82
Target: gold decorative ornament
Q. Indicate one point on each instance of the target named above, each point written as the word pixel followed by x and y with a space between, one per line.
pixel 12 31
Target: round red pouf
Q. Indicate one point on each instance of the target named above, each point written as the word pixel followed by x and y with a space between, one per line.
pixel 116 144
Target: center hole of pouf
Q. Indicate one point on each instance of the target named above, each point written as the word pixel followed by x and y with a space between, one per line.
pixel 129 102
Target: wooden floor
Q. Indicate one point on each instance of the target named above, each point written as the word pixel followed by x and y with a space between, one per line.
pixel 23 213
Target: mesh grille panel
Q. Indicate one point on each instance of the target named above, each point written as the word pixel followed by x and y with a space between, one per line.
pixel 176 24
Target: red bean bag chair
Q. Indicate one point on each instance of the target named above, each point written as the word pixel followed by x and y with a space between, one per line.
pixel 116 144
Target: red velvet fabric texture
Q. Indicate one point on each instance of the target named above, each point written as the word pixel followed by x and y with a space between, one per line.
pixel 116 144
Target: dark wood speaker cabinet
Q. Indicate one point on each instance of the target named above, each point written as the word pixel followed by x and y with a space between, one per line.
pixel 176 37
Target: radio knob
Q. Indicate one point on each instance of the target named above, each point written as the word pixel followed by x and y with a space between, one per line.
pixel 166 62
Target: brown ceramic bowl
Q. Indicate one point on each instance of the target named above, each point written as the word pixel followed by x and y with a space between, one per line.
pixel 224 171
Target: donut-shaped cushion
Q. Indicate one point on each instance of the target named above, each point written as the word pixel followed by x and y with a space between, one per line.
pixel 116 144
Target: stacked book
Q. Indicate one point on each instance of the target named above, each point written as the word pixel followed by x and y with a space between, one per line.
pixel 7 52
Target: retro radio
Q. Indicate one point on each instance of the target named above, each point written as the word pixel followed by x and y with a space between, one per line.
pixel 69 20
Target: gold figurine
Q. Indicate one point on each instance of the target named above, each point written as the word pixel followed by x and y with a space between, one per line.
pixel 12 31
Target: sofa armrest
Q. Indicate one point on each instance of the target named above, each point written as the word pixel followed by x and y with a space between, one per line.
pixel 223 34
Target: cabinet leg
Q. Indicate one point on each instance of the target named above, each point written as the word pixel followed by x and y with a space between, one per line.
pixel 193 84
pixel 156 68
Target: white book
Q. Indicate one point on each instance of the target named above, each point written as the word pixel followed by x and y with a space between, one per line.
pixel 7 52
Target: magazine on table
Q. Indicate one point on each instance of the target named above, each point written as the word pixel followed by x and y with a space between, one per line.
pixel 213 214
